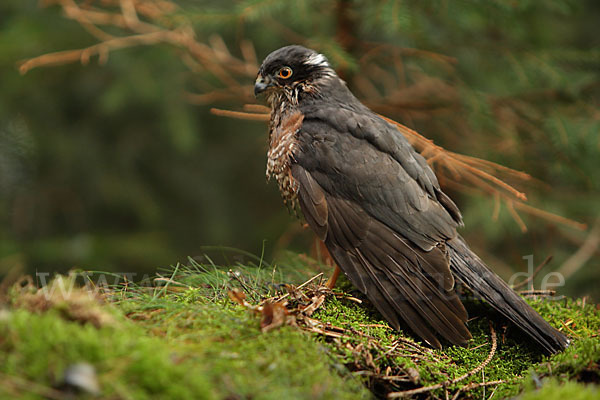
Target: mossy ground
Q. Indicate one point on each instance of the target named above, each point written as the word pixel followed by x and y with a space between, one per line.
pixel 187 339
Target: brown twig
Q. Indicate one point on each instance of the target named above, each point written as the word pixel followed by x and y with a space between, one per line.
pixel 233 274
pixel 461 166
pixel 472 386
pixel 458 161
pixel 143 22
pixel 412 392
pixel 549 216
pixel 240 115
pixel 537 292
pixel 214 59
pixel 511 209
pixel 566 326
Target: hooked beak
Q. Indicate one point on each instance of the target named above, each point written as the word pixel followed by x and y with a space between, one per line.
pixel 261 85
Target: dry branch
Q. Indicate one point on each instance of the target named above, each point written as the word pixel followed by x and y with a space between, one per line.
pixel 472 386
pixel 462 168
pixel 240 115
pixel 213 59
pixel 146 22
pixel 412 392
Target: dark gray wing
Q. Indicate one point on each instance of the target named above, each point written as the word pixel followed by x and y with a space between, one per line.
pixel 365 159
pixel 375 203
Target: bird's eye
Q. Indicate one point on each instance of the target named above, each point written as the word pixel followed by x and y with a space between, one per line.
pixel 285 72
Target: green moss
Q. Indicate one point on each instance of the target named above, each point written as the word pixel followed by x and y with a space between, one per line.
pixel 186 339
pixel 130 364
pixel 186 344
pixel 554 390
pixel 243 361
pixel 581 360
pixel 513 362
pixel 573 316
pixel 512 357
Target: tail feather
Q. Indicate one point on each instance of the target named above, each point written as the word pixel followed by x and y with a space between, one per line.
pixel 473 273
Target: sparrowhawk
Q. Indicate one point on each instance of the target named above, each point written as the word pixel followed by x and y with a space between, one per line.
pixel 377 205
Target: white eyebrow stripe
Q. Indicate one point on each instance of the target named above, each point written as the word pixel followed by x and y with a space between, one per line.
pixel 317 59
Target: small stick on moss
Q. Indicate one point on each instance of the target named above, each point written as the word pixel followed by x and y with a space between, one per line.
pixel 477 347
pixel 235 275
pixel 298 288
pixel 310 280
pixel 390 378
pixel 566 325
pixel 346 297
pixel 407 393
pixel 472 386
pixel 537 292
pixel 373 326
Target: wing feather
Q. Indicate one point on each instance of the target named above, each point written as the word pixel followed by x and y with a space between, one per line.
pixel 401 281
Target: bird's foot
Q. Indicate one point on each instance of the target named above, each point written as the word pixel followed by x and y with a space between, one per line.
pixel 330 284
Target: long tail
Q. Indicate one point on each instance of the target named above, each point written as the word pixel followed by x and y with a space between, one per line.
pixel 472 272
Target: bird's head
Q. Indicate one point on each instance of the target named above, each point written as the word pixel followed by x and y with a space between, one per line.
pixel 292 71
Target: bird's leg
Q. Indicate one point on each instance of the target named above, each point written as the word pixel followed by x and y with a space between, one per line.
pixel 327 259
pixel 333 279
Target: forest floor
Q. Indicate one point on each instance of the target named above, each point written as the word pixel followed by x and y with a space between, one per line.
pixel 261 331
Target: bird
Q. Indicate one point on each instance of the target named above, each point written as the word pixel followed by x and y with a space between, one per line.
pixel 377 205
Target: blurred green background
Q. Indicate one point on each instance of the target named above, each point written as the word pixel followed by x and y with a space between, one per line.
pixel 111 167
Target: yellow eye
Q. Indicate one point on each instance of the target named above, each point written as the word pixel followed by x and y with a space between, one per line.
pixel 285 72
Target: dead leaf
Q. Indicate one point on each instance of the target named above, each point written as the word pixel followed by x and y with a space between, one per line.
pixel 413 375
pixel 273 316
pixel 316 302
pixel 237 296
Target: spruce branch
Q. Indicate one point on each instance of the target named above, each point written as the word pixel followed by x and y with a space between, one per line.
pixel 227 78
pixel 476 173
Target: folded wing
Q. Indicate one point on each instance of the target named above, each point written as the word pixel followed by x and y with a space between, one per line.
pixel 376 204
